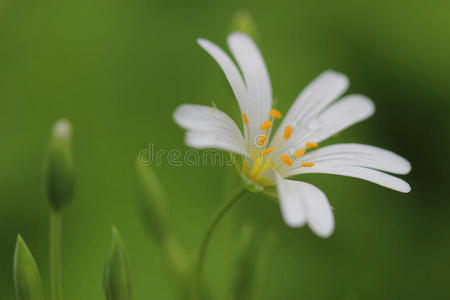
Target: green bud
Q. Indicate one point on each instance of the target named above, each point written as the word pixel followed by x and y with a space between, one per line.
pixel 152 202
pixel 27 280
pixel 152 206
pixel 116 279
pixel 243 21
pixel 59 168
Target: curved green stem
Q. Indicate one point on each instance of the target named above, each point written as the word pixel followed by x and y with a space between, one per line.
pixel 207 236
pixel 55 253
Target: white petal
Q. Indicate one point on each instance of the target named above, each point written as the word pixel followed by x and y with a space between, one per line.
pixel 326 88
pixel 320 215
pixel 340 115
pixel 209 127
pixel 231 71
pixel 300 202
pixel 256 79
pixel 208 140
pixel 360 156
pixel 291 202
pixel 371 175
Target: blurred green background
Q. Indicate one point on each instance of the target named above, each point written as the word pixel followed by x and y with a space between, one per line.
pixel 118 69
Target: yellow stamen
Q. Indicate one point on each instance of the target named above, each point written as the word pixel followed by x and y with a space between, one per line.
pixel 311 145
pixel 275 114
pixel 299 153
pixel 266 125
pixel 287 132
pixel 256 166
pixel 265 167
pixel 246 121
pixel 307 164
pixel 286 160
pixel 268 150
pixel 262 140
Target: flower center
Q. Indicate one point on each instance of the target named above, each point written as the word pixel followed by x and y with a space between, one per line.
pixel 264 158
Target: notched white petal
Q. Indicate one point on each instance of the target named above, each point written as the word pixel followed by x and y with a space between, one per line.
pixel 371 175
pixel 304 114
pixel 229 68
pixel 324 89
pixel 302 202
pixel 291 205
pixel 360 155
pixel 256 78
pixel 342 114
pixel 320 214
pixel 210 140
pixel 335 118
pixel 209 127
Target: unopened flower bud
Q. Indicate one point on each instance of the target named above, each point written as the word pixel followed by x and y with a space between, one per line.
pixel 243 21
pixel 59 169
pixel 152 202
pixel 116 279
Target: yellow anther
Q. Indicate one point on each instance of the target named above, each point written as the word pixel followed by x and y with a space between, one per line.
pixel 262 140
pixel 246 121
pixel 286 160
pixel 307 164
pixel 275 114
pixel 268 150
pixel 299 153
pixel 311 145
pixel 287 132
pixel 266 125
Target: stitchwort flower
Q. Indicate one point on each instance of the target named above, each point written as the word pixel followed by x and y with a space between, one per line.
pixel 269 159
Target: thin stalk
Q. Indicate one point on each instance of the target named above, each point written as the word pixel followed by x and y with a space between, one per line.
pixel 226 206
pixel 55 253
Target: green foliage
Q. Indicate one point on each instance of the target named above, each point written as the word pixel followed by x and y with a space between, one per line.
pixel 152 202
pixel 251 265
pixel 152 207
pixel 244 269
pixel 27 280
pixel 118 69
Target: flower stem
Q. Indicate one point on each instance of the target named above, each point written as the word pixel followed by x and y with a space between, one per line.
pixel 55 253
pixel 207 236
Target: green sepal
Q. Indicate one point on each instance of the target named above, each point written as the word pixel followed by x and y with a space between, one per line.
pixel 27 280
pixel 59 166
pixel 116 279
pixel 250 185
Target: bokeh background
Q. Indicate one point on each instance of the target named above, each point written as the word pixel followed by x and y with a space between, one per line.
pixel 118 69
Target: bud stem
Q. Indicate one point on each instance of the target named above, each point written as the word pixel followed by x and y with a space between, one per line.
pixel 55 253
pixel 226 206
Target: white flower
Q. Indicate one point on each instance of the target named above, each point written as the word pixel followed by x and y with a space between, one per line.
pixel 315 115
